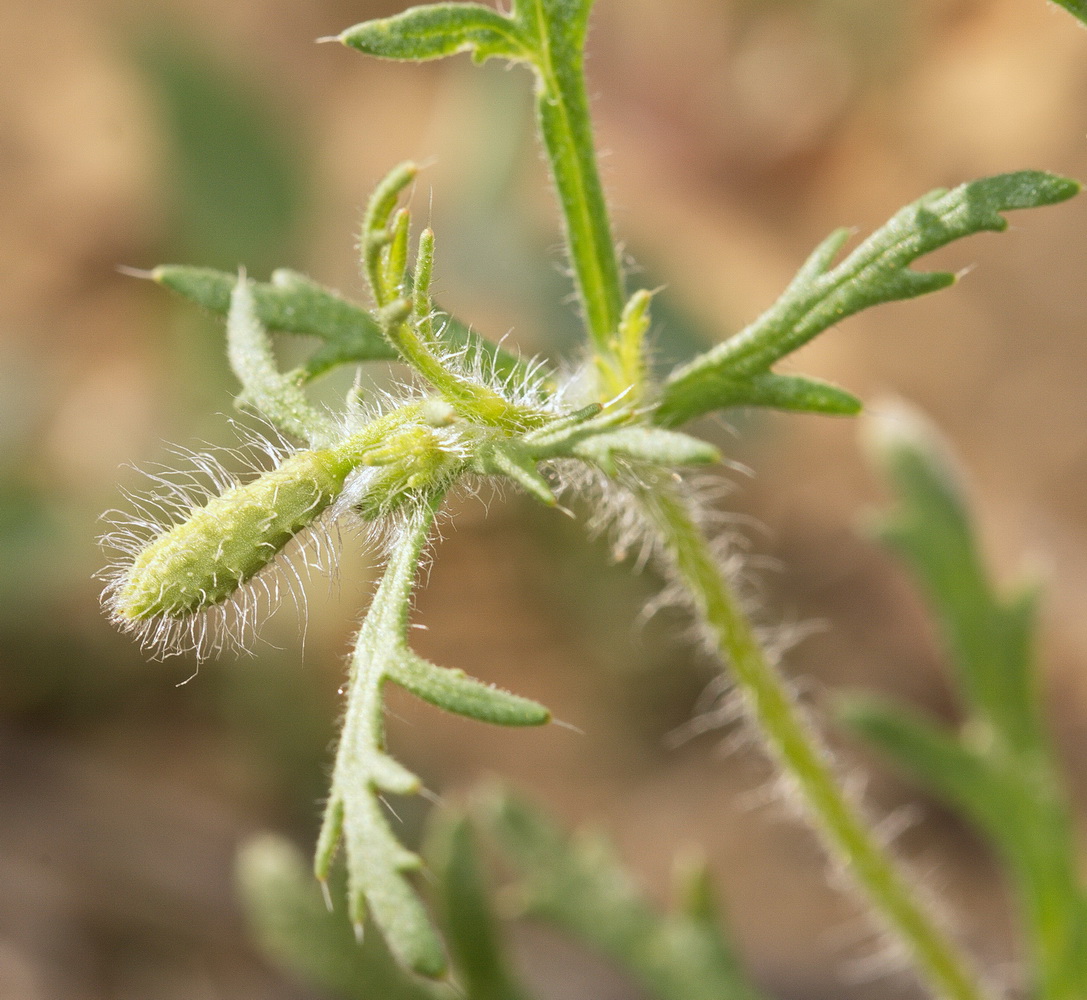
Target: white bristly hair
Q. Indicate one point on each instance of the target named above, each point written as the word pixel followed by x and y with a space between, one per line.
pixel 174 493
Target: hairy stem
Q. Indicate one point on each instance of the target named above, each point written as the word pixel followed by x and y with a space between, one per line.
pixel 562 108
pixel 802 755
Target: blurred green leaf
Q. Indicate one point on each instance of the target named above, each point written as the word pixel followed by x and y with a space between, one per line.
pixel 296 929
pixel 998 768
pixel 932 754
pixel 476 947
pixel 577 884
pixel 238 183
pixel 1077 8
pixel 989 639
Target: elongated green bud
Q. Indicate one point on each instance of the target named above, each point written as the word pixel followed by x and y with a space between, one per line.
pixel 205 559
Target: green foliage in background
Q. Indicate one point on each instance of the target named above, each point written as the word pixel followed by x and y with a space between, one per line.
pixel 997 766
pixel 577 884
pixel 572 882
pixel 237 178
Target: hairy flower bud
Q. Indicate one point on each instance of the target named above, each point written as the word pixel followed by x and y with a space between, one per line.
pixel 204 560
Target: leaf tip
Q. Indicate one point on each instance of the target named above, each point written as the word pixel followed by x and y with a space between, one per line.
pixel 137 272
pixel 1057 189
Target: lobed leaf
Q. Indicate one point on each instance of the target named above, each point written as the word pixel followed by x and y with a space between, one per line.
pixel 998 767
pixel 377 863
pixel 292 303
pixel 990 639
pixel 877 271
pixel 932 755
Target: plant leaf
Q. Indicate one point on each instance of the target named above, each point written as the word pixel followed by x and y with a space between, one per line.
pixel 990 640
pixel 877 271
pixel 564 22
pixel 292 303
pixel 277 396
pixel 456 692
pixel 932 755
pixel 437 30
pixel 296 929
pixel 475 944
pixel 645 444
pixel 377 864
pixel 795 393
pixel 577 884
pixel 998 768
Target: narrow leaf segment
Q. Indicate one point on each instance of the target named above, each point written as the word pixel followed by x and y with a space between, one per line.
pixel 476 945
pixel 307 936
pixel 735 372
pixel 437 30
pixel 292 303
pixel 998 767
pixel 377 863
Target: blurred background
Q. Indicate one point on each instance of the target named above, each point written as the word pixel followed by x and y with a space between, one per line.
pixel 736 133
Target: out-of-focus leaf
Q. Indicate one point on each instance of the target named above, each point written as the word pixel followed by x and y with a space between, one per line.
pixel 577 884
pixel 1077 8
pixel 989 639
pixel 476 947
pixel 932 755
pixel 998 768
pixel 295 928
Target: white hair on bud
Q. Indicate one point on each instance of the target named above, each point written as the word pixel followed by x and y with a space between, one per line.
pixel 175 492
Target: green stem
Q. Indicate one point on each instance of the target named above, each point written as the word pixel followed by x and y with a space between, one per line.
pixel 383 632
pixel 562 109
pixel 802 754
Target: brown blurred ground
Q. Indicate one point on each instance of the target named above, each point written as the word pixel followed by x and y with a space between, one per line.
pixel 737 135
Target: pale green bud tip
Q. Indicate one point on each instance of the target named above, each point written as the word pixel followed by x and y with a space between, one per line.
pixel 184 586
